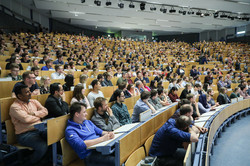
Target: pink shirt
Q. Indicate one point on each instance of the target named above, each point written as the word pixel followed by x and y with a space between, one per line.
pixel 25 115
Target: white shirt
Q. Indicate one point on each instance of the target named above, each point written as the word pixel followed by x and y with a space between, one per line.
pixel 57 76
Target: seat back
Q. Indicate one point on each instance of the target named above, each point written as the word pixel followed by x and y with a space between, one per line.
pixel 148 143
pixel 11 137
pixel 135 157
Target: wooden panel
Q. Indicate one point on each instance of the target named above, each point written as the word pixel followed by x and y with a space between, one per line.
pixel 159 120
pixel 11 137
pixel 6 88
pixel 135 157
pixel 68 96
pixel 107 91
pixel 56 128
pixel 187 159
pixel 42 98
pixel 147 129
pixel 148 143
pixel 129 144
pixel 5 107
pixel 130 102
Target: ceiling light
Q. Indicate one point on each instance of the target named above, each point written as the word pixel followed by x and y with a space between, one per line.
pixel 241 32
pixel 163 9
pixel 207 14
pixel 190 11
pixel 121 5
pixel 142 6
pixel 108 3
pixel 172 10
pixel 97 2
pixel 82 1
pixel 223 15
pixel 184 12
pixel 152 8
pixel 198 13
pixel 216 14
pixel 131 5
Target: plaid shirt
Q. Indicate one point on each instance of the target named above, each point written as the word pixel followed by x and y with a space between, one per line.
pixel 121 113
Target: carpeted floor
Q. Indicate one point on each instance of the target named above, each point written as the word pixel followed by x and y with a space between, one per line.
pixel 233 148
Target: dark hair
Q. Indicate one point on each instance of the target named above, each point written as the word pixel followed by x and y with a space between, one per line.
pixel 18 89
pixel 197 85
pixel 26 74
pixel 205 87
pixel 117 93
pixel 152 84
pixel 209 91
pixel 48 61
pixel 183 122
pixel 129 86
pixel 94 82
pixel 242 87
pixel 98 102
pixel 160 91
pixel 77 93
pixel 99 76
pixel 69 80
pixel 122 85
pixel 76 107
pixel 173 89
pixel 35 68
pixel 57 67
pixel 186 108
pixel 153 92
pixel 145 95
pixel 54 87
pixel 220 77
pixel 184 101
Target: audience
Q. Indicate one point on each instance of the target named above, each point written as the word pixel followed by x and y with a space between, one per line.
pixel 45 84
pixel 142 105
pixel 78 96
pixel 29 79
pixel 81 134
pixel 24 113
pixel 55 102
pixel 96 85
pixel 59 74
pixel 14 72
pixel 48 66
pixel 103 116
pixel 154 100
pixel 119 109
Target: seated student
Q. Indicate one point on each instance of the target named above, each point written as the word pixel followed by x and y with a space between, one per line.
pixel 82 80
pixel 164 99
pixel 194 104
pixel 14 72
pixel 119 109
pixel 211 101
pixel 59 74
pixel 132 90
pixel 45 84
pixel 235 93
pixel 139 76
pixel 78 96
pixel 100 78
pixel 139 86
pixel 142 105
pixel 172 84
pixel 167 141
pixel 145 86
pixel 103 116
pixel 95 92
pixel 123 87
pixel 186 91
pixel 173 94
pixel 69 82
pixel 48 65
pixel 55 102
pixel 43 61
pixel 220 83
pixel 209 78
pixel 154 100
pixel 153 84
pixel 33 63
pixel 24 113
pixel 197 90
pixel 145 77
pixel 243 92
pixel 223 98
pixel 29 79
pixel 59 60
pixel 107 79
pixel 81 133
pixel 36 71
pixel 123 78
pixel 203 104
pixel 193 71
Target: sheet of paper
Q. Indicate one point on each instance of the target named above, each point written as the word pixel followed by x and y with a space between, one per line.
pixel 201 119
pixel 200 124
pixel 105 142
pixel 125 128
pixel 210 113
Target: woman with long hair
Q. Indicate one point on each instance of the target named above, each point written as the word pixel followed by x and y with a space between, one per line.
pixel 153 84
pixel 78 96
pixel 33 63
pixel 45 84
pixel 173 94
pixel 69 82
pixel 132 90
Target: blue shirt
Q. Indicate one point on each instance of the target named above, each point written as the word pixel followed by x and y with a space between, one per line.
pixel 46 68
pixel 56 62
pixel 167 139
pixel 76 134
pixel 139 107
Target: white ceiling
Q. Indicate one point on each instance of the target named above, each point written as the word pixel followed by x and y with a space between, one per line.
pixel 113 19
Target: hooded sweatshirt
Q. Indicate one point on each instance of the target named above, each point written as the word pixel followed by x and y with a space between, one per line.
pixel 76 133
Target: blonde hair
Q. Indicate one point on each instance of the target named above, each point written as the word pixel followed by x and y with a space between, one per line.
pixel 43 79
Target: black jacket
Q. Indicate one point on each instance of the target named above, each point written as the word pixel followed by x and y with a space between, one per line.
pixel 221 99
pixel 184 93
pixel 55 108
